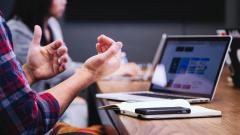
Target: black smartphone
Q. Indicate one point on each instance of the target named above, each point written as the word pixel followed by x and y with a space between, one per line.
pixel 163 110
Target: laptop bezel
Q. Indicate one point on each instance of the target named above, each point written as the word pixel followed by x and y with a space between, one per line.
pixel 162 48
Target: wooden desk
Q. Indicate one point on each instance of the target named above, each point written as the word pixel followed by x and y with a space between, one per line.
pixel 227 99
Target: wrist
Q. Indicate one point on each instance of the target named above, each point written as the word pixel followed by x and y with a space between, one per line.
pixel 28 72
pixel 86 73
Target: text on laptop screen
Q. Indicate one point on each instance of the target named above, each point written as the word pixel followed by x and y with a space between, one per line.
pixel 189 66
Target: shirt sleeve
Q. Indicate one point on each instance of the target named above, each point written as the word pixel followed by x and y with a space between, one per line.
pixel 22 110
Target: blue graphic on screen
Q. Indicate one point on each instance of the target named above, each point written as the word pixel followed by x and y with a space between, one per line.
pixel 190 66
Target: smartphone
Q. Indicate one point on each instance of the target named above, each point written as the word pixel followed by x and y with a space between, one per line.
pixel 163 110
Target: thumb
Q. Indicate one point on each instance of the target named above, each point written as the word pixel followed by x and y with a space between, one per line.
pixel 37 35
pixel 112 51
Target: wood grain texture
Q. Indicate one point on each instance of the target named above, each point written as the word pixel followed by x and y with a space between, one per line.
pixel 227 99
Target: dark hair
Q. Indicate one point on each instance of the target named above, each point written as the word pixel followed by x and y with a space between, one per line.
pixel 32 12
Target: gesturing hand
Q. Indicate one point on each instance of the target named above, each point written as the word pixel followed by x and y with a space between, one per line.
pixel 45 62
pixel 108 59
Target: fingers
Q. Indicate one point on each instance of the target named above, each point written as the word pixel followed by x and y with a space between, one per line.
pixel 54 45
pixel 62 59
pixel 60 55
pixel 101 48
pixel 62 50
pixel 56 63
pixel 104 43
pixel 98 47
pixel 62 68
pixel 112 51
pixel 62 64
pixel 102 39
pixel 37 35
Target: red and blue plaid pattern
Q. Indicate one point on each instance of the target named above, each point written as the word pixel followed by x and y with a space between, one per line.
pixel 22 110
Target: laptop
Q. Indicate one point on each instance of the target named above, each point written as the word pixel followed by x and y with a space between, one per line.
pixel 188 68
pixel 233 56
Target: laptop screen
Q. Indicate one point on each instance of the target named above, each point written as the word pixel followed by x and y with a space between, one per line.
pixel 190 66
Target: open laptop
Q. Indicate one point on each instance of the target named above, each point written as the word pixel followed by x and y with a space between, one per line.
pixel 188 68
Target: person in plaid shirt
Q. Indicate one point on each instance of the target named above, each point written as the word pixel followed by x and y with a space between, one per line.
pixel 22 110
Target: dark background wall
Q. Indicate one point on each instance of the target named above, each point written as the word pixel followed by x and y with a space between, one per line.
pixel 140 36
pixel 140 39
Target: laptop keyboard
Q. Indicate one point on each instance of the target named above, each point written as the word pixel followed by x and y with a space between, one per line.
pixel 160 96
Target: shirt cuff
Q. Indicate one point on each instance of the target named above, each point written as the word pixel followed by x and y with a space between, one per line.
pixel 51 110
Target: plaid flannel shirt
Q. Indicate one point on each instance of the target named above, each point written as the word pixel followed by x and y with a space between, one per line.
pixel 22 110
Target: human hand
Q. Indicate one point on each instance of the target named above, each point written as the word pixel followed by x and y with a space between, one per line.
pixel 108 59
pixel 130 69
pixel 45 62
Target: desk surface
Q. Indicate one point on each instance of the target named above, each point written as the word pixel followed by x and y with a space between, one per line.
pixel 227 99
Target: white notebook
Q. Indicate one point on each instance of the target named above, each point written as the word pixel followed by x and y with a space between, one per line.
pixel 128 108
